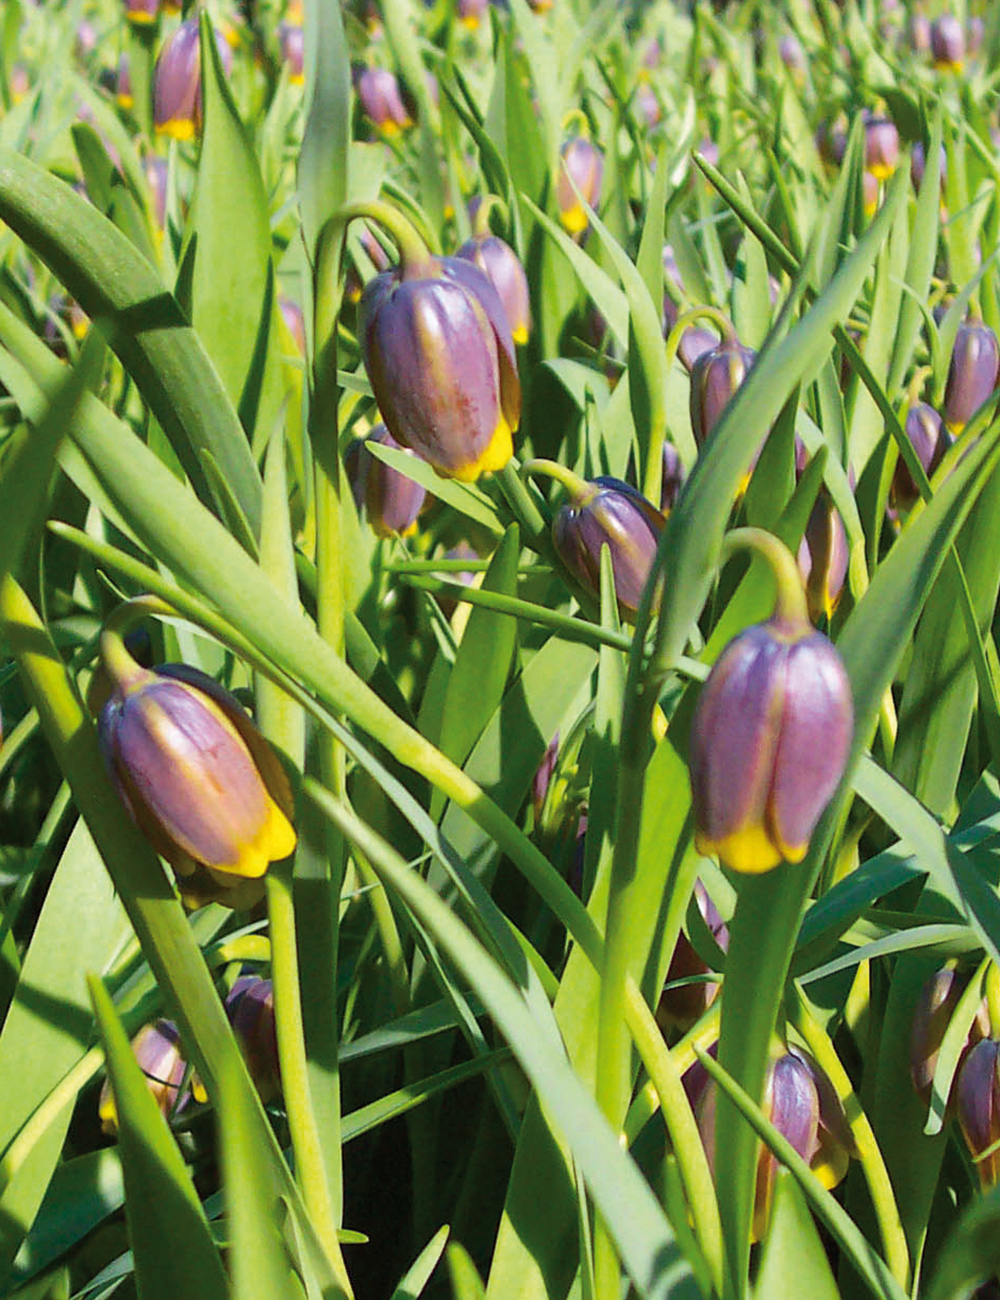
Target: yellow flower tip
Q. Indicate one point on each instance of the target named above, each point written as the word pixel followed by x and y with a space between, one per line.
pixel 178 128
pixel 830 1162
pixel 80 327
pixel 881 171
pixel 125 101
pixel 275 840
pixel 946 65
pixel 298 78
pixel 749 850
pixel 493 457
pixel 574 219
pixel 391 129
pixel 142 19
pixel 470 22
pixel 520 334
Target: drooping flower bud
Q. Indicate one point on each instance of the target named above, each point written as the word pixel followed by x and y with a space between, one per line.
pixel 142 12
pixel 392 501
pixel 648 103
pixel 823 558
pixel 978 1105
pixel 930 439
pixel 694 343
pixel 199 779
pixel 439 353
pixel 792 55
pixel 85 41
pixel 975 34
pixel 381 97
pixel 931 1018
pixel 769 743
pixel 292 315
pixel 802 1105
pixel 291 42
pixel 918 165
pixel 608 511
pixel 177 81
pixel 470 12
pixel 881 147
pixel 715 378
pixel 972 374
pixel 582 165
pixel 157 1048
pixel 502 267
pixel 948 43
pixel 831 141
pixel 123 84
pixel 157 174
pixel 250 1008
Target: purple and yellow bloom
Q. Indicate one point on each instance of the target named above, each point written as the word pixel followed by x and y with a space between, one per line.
pixel 470 12
pixel 881 147
pixel 683 1005
pixel 502 267
pixel 199 780
pixel 582 166
pixel 802 1105
pixel 823 558
pixel 972 374
pixel 142 12
pixel 177 81
pixel 948 43
pixel 608 511
pixel 157 1048
pixel 381 97
pixel 715 379
pixel 291 42
pixel 392 501
pixel 978 1105
pixel 769 743
pixel 440 356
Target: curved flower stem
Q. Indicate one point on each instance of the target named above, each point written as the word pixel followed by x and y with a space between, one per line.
pixel 790 605
pixel 577 487
pixel 869 1155
pixel 413 251
pixel 120 665
pixel 524 508
pixel 490 203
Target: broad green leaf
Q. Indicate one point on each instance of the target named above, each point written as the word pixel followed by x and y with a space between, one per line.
pixel 466 1283
pixel 161 1204
pixel 969 1255
pixel 323 158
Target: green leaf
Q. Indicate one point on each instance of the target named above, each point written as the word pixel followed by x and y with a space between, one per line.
pixel 969 1255
pixel 113 282
pixel 417 1276
pixel 161 1205
pixel 467 499
pixel 325 152
pixel 479 674
pixel 466 1284
pixel 623 1197
pixel 80 927
pixel 793 1261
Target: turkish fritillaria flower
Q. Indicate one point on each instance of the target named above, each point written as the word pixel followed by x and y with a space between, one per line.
pixel 177 81
pixel 931 1017
pixel 769 743
pixel 392 501
pixel 802 1105
pixel 157 1049
pixel 978 1104
pixel 381 97
pixel 582 166
pixel 948 43
pixel 440 356
pixel 250 1008
pixel 502 267
pixel 200 781
pixel 972 373
pixel 613 513
pixel 142 12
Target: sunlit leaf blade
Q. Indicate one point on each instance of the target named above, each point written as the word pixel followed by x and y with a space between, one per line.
pixel 161 1204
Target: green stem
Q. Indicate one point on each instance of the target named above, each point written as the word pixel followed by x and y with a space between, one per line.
pixel 310 1169
pixel 534 526
pixel 790 605
pixel 869 1155
pixel 489 204
pixel 414 255
pixel 578 488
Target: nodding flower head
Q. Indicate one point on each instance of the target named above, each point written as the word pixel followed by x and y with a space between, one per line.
pixel 382 99
pixel 200 781
pixel 608 511
pixel 392 501
pixel 582 166
pixel 439 353
pixel 502 267
pixel 769 743
pixel 177 109
pixel 948 43
pixel 972 373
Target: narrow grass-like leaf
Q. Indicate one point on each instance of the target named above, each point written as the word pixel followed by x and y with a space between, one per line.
pixel 793 1262
pixel 80 926
pixel 146 327
pixel 161 1205
pixel 466 1284
pixel 416 1277
pixel 323 158
pixel 463 497
pixel 641 1233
